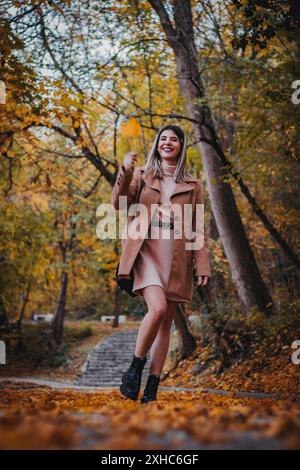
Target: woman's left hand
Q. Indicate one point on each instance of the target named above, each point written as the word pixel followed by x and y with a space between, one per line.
pixel 203 280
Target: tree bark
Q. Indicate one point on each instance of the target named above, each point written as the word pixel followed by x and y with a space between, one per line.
pixel 58 322
pixel 188 340
pixel 3 315
pixel 118 294
pixel 26 298
pixel 251 288
pixel 118 297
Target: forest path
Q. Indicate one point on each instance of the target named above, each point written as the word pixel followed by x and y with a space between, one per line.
pixel 41 414
pixel 108 361
pixel 91 413
pixel 89 388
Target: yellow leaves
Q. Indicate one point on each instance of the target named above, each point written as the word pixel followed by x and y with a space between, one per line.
pixel 57 83
pixel 86 239
pixel 131 128
pixel 28 147
pixel 86 201
pixel 38 201
pixel 10 153
pixel 59 181
pixel 78 183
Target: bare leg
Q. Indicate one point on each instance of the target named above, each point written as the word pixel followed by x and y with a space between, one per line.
pixel 160 347
pixel 157 309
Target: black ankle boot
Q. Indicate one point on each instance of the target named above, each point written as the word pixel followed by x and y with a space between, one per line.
pixel 151 388
pixel 131 380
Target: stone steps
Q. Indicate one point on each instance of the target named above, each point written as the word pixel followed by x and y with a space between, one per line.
pixel 110 359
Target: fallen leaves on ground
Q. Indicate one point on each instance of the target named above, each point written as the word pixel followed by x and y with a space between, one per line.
pixel 36 417
pixel 263 373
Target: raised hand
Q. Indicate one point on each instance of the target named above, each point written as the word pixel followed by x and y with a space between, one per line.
pixel 130 160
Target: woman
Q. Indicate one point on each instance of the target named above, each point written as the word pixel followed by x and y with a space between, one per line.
pixel 161 263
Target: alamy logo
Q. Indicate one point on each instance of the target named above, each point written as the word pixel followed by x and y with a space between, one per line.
pixel 2 92
pixel 2 352
pixel 296 354
pixel 296 94
pixel 185 225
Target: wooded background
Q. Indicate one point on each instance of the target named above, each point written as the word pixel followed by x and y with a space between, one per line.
pixel 84 82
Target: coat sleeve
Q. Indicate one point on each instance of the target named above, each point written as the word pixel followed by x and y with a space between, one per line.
pixel 126 185
pixel 201 256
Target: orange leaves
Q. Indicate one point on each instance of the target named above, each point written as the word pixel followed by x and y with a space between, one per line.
pixel 131 128
pixel 44 418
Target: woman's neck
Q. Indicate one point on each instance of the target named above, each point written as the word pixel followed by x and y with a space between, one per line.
pixel 165 163
pixel 168 169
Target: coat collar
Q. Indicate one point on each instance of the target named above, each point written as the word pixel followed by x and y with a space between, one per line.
pixel 181 187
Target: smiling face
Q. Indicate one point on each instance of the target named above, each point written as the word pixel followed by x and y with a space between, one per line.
pixel 169 146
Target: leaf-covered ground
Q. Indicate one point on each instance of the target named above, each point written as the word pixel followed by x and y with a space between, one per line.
pixel 273 373
pixel 40 417
pixel 263 364
pixel 35 417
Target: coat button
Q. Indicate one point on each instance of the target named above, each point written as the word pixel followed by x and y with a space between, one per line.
pixel 177 231
pixel 176 218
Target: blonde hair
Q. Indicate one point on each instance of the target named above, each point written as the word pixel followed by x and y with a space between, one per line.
pixel 154 160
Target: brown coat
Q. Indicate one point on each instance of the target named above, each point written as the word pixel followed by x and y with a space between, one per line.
pixel 189 192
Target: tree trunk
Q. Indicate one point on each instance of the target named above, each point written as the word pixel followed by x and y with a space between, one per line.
pixel 58 322
pixel 118 297
pixel 118 294
pixel 250 286
pixel 3 315
pixel 25 301
pixel 188 340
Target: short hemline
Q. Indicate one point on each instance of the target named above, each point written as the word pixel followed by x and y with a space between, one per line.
pixel 138 293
